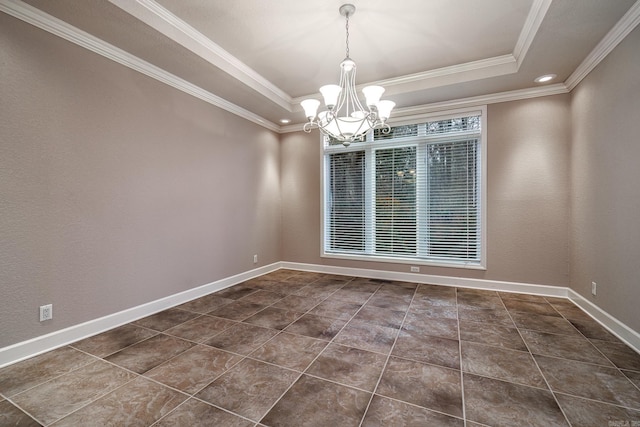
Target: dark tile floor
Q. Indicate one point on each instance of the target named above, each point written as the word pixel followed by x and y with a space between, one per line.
pixel 307 349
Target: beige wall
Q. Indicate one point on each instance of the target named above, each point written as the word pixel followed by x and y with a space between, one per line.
pixel 116 190
pixel 527 196
pixel 605 210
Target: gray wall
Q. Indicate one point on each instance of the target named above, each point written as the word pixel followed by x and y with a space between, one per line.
pixel 605 201
pixel 117 190
pixel 527 196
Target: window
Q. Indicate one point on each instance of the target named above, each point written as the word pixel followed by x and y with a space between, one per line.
pixel 411 195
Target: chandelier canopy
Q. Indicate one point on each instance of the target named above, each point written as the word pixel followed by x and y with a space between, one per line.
pixel 345 119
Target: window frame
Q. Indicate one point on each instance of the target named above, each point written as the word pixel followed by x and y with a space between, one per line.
pixel 369 146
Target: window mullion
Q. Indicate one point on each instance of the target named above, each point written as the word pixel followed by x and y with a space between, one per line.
pixel 370 197
pixel 421 201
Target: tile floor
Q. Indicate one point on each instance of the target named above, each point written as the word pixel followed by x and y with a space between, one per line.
pixel 307 349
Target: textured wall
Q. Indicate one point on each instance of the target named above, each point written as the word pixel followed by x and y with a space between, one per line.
pixel 527 195
pixel 116 190
pixel 605 210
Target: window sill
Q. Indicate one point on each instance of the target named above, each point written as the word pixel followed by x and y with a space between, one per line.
pixel 415 262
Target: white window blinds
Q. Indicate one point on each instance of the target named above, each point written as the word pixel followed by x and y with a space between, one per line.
pixel 395 201
pixel 413 194
pixel 452 200
pixel 346 210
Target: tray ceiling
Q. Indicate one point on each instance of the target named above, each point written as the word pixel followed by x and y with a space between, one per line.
pixel 258 59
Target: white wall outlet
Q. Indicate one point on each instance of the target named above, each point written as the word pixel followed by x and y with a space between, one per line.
pixel 255 259
pixel 46 312
pixel 415 269
pixel 594 288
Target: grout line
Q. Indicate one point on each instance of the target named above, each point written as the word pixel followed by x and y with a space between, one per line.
pixel 384 367
pixel 325 347
pixel 600 351
pixel 33 417
pixel 279 331
pixel 618 405
pixel 538 366
pixel 464 405
pixel 388 355
pixel 421 407
pixel 120 349
pixel 531 354
pixel 96 358
pixel 170 412
pixel 550 356
pixel 135 377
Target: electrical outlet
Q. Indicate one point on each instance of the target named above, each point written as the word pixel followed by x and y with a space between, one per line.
pixel 255 259
pixel 594 288
pixel 46 312
pixel 415 269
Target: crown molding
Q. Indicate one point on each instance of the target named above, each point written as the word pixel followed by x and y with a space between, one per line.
pixel 531 26
pixel 412 113
pixel 497 65
pixel 493 98
pixel 164 21
pixel 174 28
pixel 55 26
pixel 459 73
pixel 472 70
pixel 623 27
pixel 468 71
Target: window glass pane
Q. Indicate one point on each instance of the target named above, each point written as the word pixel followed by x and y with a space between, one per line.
pixel 396 132
pixel 452 200
pixel 329 140
pixel 395 201
pixel 460 124
pixel 346 208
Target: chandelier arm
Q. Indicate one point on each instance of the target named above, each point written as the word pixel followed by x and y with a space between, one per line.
pixel 331 115
pixel 351 93
pixel 308 126
pixel 342 96
pixel 361 131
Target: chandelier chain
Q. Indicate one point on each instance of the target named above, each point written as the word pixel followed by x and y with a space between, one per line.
pixel 347 31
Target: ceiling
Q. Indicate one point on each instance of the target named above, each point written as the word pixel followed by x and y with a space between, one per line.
pixel 259 59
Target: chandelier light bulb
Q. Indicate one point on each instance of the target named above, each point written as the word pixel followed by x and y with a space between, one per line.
pixel 384 109
pixel 372 94
pixel 330 94
pixel 310 107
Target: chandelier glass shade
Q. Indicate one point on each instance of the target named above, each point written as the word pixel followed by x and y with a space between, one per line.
pixel 345 119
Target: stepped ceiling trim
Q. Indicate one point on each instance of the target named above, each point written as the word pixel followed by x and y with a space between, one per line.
pixel 81 38
pixel 156 16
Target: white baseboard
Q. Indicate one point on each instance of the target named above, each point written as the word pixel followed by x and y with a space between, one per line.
pixel 44 343
pixel 26 349
pixel 613 325
pixel 492 285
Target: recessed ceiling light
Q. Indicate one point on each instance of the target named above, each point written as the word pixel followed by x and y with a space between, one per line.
pixel 285 121
pixel 545 78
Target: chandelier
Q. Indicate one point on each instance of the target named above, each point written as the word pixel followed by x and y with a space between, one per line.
pixel 345 119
